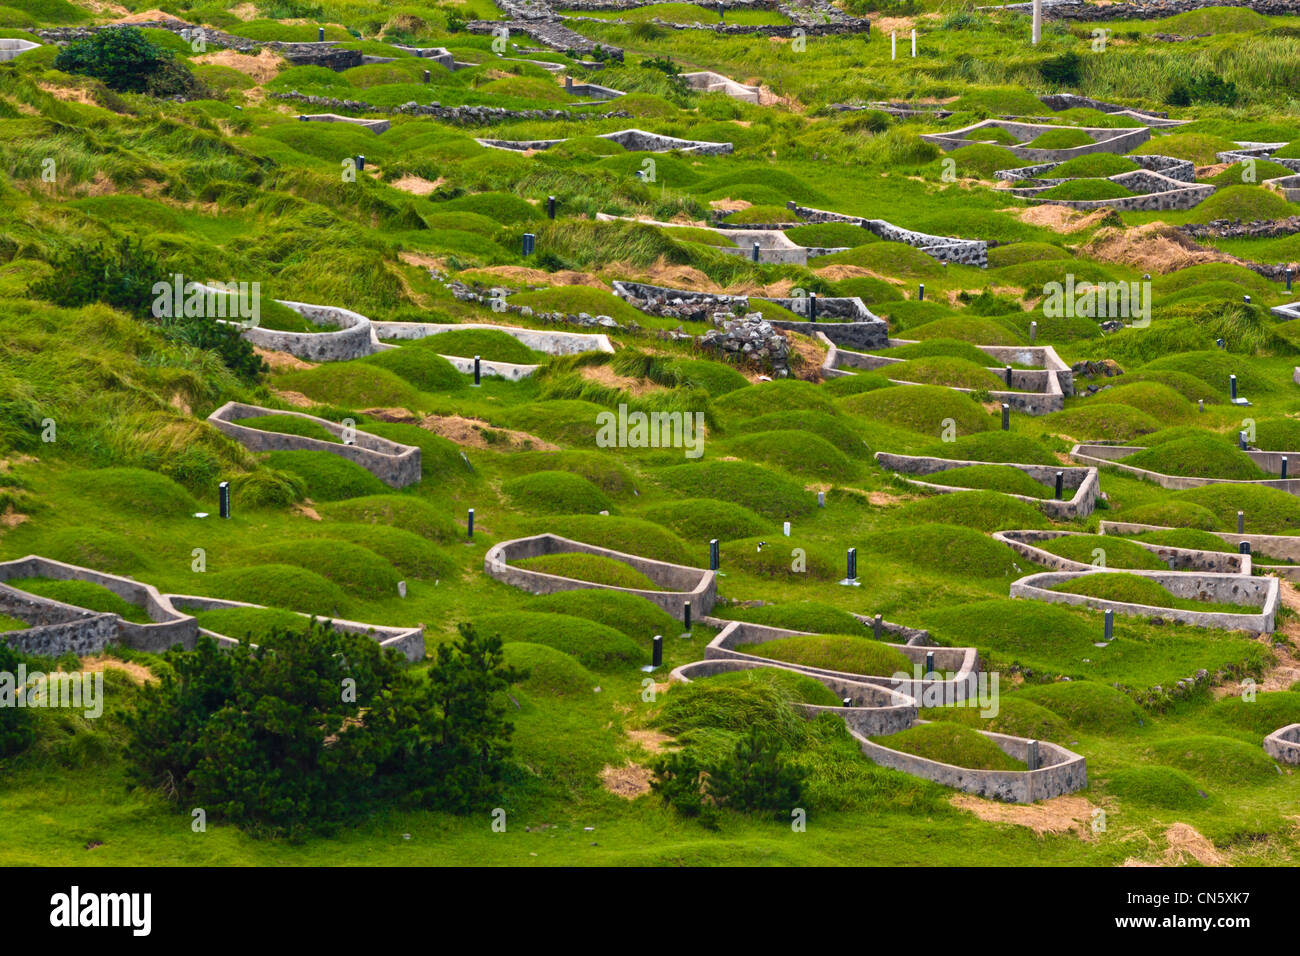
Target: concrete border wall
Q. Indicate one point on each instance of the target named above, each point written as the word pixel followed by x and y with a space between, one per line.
pixel 408 640
pixel 1278 547
pixel 1184 559
pixel 169 626
pixel 966 252
pixel 1060 771
pixel 962 662
pixel 11 49
pixel 1105 456
pixel 352 337
pixel 375 126
pixel 1261 592
pixel 393 463
pixel 1283 744
pixel 633 140
pixel 872 711
pixel 681 584
pixel 1104 139
pixel 706 81
pixel 1084 482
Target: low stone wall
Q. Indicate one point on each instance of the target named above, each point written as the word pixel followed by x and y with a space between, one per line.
pixel 1154 191
pixel 705 81
pixel 1104 139
pixel 1040 389
pixel 374 125
pixel 633 140
pixel 458 115
pixel 1082 481
pixel 1283 744
pixel 351 338
pixel 320 53
pixel 1060 771
pixel 55 628
pixel 409 641
pixel 1068 101
pixel 393 463
pixel 681 584
pixel 544 27
pixel 168 628
pixel 539 340
pixel 966 252
pixel 961 662
pixel 1178 559
pixel 9 49
pixel 1085 12
pixel 1286 313
pixel 1270 461
pixel 1259 592
pixel 872 711
pixel 1263 547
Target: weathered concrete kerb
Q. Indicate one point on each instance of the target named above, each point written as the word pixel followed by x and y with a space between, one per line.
pixel 59 628
pixel 1105 456
pixel 680 584
pixel 1024 543
pixel 1260 593
pixel 1283 744
pixel 393 463
pixel 1082 481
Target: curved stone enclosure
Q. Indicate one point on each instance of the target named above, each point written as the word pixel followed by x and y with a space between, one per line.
pixel 681 584
pixel 1264 547
pixel 1171 167
pixel 1152 191
pixel 1104 139
pixel 706 81
pixel 1261 593
pixel 375 126
pixel 1179 559
pixel 393 463
pixel 966 252
pixel 1271 461
pixel 1283 744
pixel 871 710
pixel 633 140
pixel 961 662
pixel 58 627
pixel 1042 390
pixel 880 706
pixel 408 640
pixel 1059 771
pixel 9 49
pixel 351 337
pixel 1082 481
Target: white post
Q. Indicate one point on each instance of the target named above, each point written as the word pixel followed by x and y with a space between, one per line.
pixel 1038 20
pixel 914 44
pixel 893 46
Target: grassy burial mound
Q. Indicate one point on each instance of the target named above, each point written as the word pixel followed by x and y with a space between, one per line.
pixel 1131 589
pixel 952 744
pixel 845 653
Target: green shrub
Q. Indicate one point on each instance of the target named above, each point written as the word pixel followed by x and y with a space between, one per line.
pixel 127 62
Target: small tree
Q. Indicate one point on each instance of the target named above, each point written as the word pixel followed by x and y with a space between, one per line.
pixel 125 59
pixel 16 730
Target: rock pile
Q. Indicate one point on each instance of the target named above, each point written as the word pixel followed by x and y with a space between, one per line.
pixel 751 339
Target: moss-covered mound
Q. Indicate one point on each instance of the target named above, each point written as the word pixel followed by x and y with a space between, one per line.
pixel 550 672
pixel 361 384
pixel 1116 552
pixel 1100 423
pixel 327 477
pixel 945 547
pixel 134 490
pixel 400 511
pixel 779 558
pixel 410 553
pixel 812 616
pixel 1198 148
pixel 1240 174
pixel 258 625
pixel 1164 787
pixel 760 489
pixel 996 446
pixel 595 568
pixel 632 615
pixel 92 548
pixel 794 687
pixel 837 652
pixel 629 535
pixel 981 510
pixel 289 425
pixel 591 644
pixel 1268 510
pixel 836 429
pixel 354 568
pixel 1003 478
pixel 951 743
pixel 1222 760
pixel 1087 705
pixel 921 408
pixel 1015 716
pixel 278 585
pixel 700 519
pixel 1174 514
pixel 1261 716
pixel 1199 456
pixel 768 397
pixel 948 371
pixel 800 452
pixel 982 160
pixel 1093 166
pixel 487 343
pixel 421 367
pixel 555 492
pixel 1185 538
pixel 599 469
pixel 86 594
pixel 1063 138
